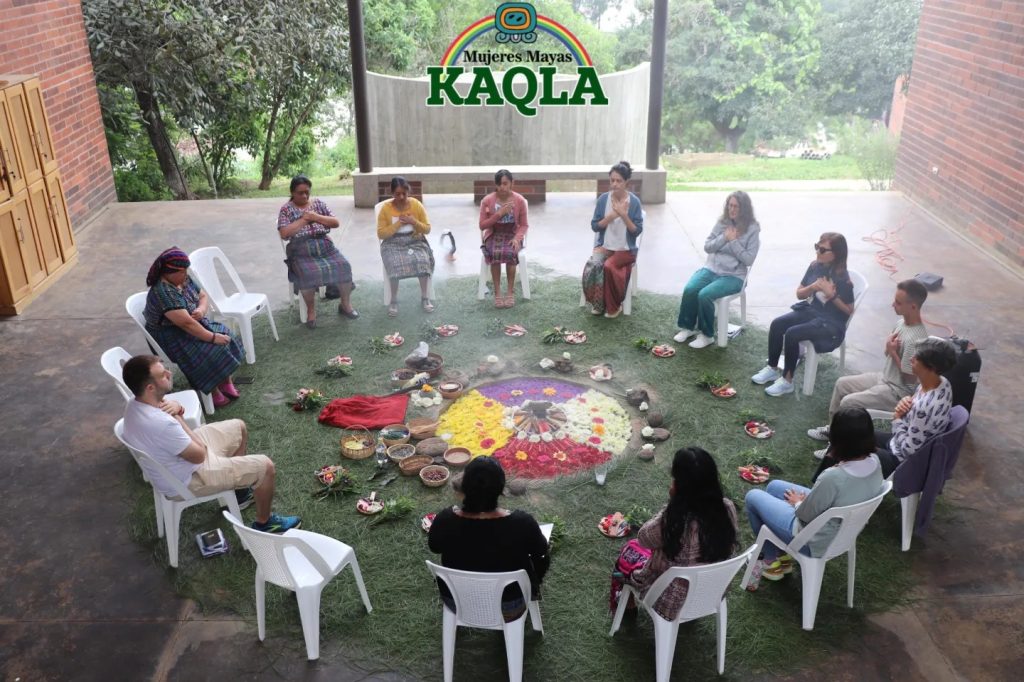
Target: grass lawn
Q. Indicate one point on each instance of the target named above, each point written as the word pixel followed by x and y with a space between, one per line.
pixel 404 630
pixel 328 185
pixel 749 168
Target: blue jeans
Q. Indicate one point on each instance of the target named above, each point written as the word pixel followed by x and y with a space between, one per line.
pixel 787 331
pixel 697 309
pixel 769 507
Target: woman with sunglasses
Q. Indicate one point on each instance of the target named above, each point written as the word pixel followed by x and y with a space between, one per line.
pixel 825 306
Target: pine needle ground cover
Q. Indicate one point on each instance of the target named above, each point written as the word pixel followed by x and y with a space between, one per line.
pixel 404 631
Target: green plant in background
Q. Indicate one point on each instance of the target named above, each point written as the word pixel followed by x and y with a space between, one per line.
pixel 394 509
pixel 378 346
pixel 711 379
pixel 875 154
pixel 427 332
pixel 643 343
pixel 554 334
pixel 494 327
pixel 638 515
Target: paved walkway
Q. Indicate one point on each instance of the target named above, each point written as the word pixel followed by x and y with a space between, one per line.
pixel 79 600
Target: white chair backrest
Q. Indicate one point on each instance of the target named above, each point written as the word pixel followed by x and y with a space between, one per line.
pixel 707 585
pixel 270 552
pixel 135 305
pixel 204 269
pixel 853 519
pixel 113 360
pixel 478 595
pixel 153 469
pixel 860 287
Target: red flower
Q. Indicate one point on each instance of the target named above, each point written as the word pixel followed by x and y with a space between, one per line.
pixel 594 439
pixel 487 443
pixel 598 420
pixel 488 403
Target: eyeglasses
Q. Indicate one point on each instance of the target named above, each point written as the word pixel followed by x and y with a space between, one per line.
pixel 821 249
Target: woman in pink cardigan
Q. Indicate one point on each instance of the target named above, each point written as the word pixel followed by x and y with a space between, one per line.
pixel 503 224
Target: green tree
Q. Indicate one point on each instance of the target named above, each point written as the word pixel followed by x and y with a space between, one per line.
pixel 865 46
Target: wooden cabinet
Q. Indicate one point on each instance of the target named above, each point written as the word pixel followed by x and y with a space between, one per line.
pixel 37 244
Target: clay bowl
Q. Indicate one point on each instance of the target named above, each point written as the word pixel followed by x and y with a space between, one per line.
pixel 457 457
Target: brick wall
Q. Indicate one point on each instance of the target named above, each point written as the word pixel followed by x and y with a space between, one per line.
pixel 962 149
pixel 47 38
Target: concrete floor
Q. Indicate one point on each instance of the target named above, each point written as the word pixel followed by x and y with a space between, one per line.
pixel 79 600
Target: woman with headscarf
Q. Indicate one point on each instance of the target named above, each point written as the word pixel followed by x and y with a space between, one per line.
pixel 175 315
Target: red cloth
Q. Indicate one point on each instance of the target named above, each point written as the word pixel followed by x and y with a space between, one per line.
pixel 370 411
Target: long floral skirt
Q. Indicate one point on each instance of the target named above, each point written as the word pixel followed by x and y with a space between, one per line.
pixel 606 279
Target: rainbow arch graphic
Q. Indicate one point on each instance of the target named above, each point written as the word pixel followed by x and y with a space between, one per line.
pixel 486 25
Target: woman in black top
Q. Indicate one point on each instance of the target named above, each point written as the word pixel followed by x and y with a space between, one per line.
pixel 826 303
pixel 481 536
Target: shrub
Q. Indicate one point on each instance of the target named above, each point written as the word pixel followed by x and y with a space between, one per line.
pixel 874 149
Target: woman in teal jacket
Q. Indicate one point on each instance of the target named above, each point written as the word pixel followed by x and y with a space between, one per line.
pixel 618 221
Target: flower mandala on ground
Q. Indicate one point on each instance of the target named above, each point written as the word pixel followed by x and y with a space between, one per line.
pixel 611 429
pixel 475 422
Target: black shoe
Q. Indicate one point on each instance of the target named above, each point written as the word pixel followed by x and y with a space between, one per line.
pixel 332 291
pixel 244 497
pixel 352 315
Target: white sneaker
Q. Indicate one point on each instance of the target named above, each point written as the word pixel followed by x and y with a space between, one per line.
pixel 702 341
pixel 780 387
pixel 818 433
pixel 820 454
pixel 767 375
pixel 683 335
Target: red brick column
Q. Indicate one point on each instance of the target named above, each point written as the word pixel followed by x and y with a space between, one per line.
pixel 48 39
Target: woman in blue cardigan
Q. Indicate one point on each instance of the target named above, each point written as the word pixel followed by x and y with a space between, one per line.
pixel 618 221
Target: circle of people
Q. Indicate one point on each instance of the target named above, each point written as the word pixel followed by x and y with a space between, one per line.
pixel 698 524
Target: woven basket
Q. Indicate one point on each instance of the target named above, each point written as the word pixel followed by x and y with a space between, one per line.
pixel 360 437
pixel 410 466
pixel 395 441
pixel 434 467
pixel 400 452
pixel 421 428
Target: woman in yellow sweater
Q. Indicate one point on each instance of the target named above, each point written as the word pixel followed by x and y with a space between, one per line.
pixel 403 227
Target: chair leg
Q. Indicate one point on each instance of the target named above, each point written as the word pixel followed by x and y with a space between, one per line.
pixel 583 299
pixel 359 582
pixel 448 629
pixel 751 561
pixel 515 633
pixel 810 371
pixel 723 624
pixel 387 285
pixel 261 605
pixel 665 635
pixel 524 276
pixel 627 592
pixel 535 621
pixel 159 505
pixel 270 316
pixel 172 519
pixel 627 305
pixel 743 307
pixel 851 573
pixel 908 511
pixel 207 401
pixel 842 355
pixel 811 572
pixel 722 320
pixel 485 275
pixel 245 324
pixel 309 614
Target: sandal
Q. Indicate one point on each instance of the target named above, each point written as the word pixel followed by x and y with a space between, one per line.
pixel 510 301
pixel 499 302
pixel 753 474
pixel 392 310
pixel 428 306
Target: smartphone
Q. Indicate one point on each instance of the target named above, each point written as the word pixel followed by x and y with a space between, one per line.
pixel 243 380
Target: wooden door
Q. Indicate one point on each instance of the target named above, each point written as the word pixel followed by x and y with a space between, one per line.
pixel 45 227
pixel 15 284
pixel 21 130
pixel 10 164
pixel 59 213
pixel 40 126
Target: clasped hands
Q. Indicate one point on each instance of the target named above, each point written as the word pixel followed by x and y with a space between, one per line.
pixel 902 407
pixel 793 497
pixel 825 286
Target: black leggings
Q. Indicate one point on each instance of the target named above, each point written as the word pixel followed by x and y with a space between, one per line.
pixel 786 333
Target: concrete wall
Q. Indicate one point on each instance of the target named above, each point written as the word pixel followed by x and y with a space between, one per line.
pixel 406 132
pixel 962 149
pixel 48 39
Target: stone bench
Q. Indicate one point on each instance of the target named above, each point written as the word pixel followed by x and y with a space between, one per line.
pixel 531 181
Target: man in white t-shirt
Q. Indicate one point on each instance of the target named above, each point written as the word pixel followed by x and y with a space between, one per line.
pixel 209 460
pixel 883 390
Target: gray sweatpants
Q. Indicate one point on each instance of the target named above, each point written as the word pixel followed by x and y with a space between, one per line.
pixel 865 390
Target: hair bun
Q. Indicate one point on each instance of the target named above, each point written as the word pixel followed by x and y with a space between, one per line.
pixel 626 164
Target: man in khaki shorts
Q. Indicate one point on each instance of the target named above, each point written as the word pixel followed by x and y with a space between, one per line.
pixel 210 459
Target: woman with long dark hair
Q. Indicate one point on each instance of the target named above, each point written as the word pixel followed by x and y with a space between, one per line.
pixel 786 507
pixel 504 221
pixel 402 227
pixel 731 247
pixel 478 535
pixel 697 526
pixel 820 316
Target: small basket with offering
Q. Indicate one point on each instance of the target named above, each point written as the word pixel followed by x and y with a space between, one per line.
pixel 400 452
pixel 435 475
pixel 410 466
pixel 457 457
pixel 422 428
pixel 357 445
pixel 450 390
pixel 394 434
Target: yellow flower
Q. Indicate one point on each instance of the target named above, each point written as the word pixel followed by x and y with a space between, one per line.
pixel 471 423
pixel 427 388
pixel 599 429
pixel 522 456
pixel 560 456
pixel 550 391
pixel 516 392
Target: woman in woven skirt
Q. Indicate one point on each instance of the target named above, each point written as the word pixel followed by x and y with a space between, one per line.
pixel 312 258
pixel 618 221
pixel 402 227
pixel 503 223
pixel 175 313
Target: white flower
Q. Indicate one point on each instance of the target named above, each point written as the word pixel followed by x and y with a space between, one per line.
pixel 647 432
pixel 644 406
pixel 546 437
pixel 522 435
pixel 436 400
pixel 546 363
pixel 567 355
pixel 493 359
pixel 534 438
pixel 446 436
pixel 648 447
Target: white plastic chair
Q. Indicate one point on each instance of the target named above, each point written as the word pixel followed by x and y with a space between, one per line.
pixel 383 269
pixel 113 360
pixel 704 597
pixel 722 312
pixel 812 569
pixel 634 276
pixel 522 276
pixel 168 515
pixel 810 356
pixel 240 306
pixel 302 562
pixel 135 305
pixel 292 295
pixel 478 605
